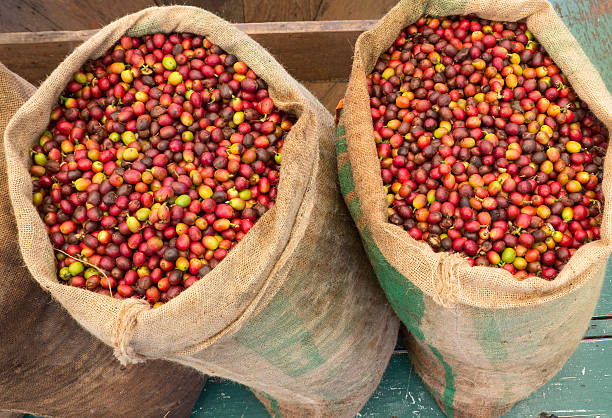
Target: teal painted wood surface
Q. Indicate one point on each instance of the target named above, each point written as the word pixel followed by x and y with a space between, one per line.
pixel 590 21
pixel 583 388
pixel 604 307
pixel 599 328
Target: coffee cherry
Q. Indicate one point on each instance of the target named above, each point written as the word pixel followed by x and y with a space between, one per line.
pixel 484 148
pixel 147 183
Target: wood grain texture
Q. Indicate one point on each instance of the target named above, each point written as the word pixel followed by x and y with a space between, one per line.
pixel 604 307
pixel 600 327
pixel 328 93
pixel 293 10
pixel 280 10
pixel 590 21
pixel 363 9
pixel 42 15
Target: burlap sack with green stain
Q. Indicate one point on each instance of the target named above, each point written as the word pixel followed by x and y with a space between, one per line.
pixel 294 311
pixel 480 339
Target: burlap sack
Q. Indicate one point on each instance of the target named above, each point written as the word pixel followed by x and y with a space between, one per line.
pixel 51 366
pixel 294 310
pixel 480 339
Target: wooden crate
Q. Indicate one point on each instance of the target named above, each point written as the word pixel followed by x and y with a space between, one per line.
pixel 319 54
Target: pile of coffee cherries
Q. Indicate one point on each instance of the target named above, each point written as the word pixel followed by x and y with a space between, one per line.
pixel 485 150
pixel 158 159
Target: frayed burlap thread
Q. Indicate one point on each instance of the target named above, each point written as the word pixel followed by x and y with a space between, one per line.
pixel 294 310
pixel 480 339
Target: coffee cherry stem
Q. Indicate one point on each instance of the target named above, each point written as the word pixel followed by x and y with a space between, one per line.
pixel 87 264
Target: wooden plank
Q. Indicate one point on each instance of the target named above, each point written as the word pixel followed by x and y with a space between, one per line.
pixel 279 11
pixel 600 327
pixel 328 93
pixel 581 388
pixel 587 376
pixel 293 10
pixel 232 398
pixel 43 15
pixel 354 10
pixel 311 51
pixel 604 307
pixel 590 21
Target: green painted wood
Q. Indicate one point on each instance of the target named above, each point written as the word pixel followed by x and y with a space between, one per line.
pixel 600 328
pixel 228 399
pixel 582 388
pixel 604 307
pixel 590 21
pixel 401 393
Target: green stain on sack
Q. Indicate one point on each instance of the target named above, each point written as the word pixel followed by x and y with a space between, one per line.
pixel 274 406
pixel 345 173
pixel 500 335
pixel 499 330
pixel 345 178
pixel 341 140
pixel 295 353
pixel 355 209
pixel 491 340
pixel 404 296
pixel 407 301
pixel 449 378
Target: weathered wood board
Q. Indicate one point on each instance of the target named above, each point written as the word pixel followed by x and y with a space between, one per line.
pixel 42 15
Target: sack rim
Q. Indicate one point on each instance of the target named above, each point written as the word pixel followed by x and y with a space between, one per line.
pixel 375 219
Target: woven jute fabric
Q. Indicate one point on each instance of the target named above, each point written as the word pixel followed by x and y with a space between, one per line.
pixel 480 339
pixel 294 310
pixel 51 366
